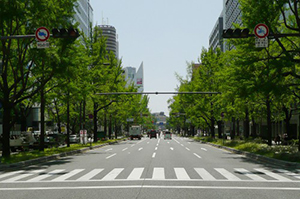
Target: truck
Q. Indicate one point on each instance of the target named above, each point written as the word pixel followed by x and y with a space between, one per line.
pixel 135 132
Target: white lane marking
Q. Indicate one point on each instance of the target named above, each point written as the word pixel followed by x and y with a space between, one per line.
pixel 296 175
pixel 108 149
pixel 141 148
pixel 182 145
pixel 227 174
pixel 168 142
pixel 205 175
pixel 41 177
pixel 151 187
pixel 249 174
pixel 67 175
pixel 181 174
pixel 153 156
pixel 158 173
pixel 172 148
pixel 204 149
pixel 189 142
pixel 113 174
pixel 10 174
pixel 155 148
pixel 133 145
pixel 13 179
pixel 136 174
pixel 187 149
pixel 110 156
pixel 148 142
pixel 198 156
pixel 125 149
pixel 90 175
pixel 273 175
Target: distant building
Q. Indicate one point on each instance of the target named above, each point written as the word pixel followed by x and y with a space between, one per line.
pixel 161 120
pixel 110 33
pixel 136 78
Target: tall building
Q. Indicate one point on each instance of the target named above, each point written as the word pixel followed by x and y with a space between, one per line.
pixel 215 38
pixel 84 15
pixel 110 33
pixel 136 78
pixel 231 14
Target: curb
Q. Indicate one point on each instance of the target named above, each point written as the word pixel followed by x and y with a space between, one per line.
pixel 52 157
pixel 259 158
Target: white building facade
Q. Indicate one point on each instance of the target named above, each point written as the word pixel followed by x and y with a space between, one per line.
pixel 135 77
pixel 84 15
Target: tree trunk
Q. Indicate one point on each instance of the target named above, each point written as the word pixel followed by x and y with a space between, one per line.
pixel 238 127
pixel 95 122
pixel 254 132
pixel 269 123
pixel 109 127
pixel 232 133
pixel 105 124
pixel 246 124
pixel 42 135
pixel 68 121
pixel 287 122
pixel 6 126
pixel 219 129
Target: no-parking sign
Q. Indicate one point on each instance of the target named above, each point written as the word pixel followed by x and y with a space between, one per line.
pixel 261 30
pixel 42 34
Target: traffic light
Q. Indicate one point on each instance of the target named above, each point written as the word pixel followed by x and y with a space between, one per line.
pixel 236 33
pixel 70 33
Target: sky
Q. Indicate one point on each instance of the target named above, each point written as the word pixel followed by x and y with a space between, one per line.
pixel 163 34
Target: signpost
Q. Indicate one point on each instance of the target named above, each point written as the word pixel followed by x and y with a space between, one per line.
pixel 261 32
pixel 42 34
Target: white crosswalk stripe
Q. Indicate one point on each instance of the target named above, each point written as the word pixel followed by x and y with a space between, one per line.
pixel 113 174
pixel 250 174
pixel 90 175
pixel 296 175
pixel 273 175
pixel 158 173
pixel 67 175
pixel 181 174
pixel 227 174
pixel 136 174
pixel 44 176
pixel 205 175
pixel 21 176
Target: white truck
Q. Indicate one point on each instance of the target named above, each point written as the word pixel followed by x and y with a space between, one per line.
pixel 135 132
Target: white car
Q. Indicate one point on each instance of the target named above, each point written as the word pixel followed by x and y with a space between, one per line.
pixel 74 139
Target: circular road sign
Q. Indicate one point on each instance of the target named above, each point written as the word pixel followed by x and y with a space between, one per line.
pixel 42 34
pixel 261 30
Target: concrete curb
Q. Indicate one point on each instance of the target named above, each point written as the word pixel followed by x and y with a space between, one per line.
pixel 52 157
pixel 259 158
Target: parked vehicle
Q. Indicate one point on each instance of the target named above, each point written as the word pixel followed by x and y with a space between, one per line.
pixel 74 139
pixel 135 132
pixel 153 134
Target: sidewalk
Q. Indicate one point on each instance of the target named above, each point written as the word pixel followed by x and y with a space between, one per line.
pixel 259 158
pixel 48 158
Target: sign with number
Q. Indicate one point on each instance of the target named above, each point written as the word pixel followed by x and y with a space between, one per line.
pixel 261 30
pixel 42 34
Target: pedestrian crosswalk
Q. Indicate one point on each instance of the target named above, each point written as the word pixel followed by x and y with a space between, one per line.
pixel 156 173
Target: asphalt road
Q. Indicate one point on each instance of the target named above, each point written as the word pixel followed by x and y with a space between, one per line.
pixel 152 168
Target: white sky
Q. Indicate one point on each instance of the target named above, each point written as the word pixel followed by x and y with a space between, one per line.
pixel 164 34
